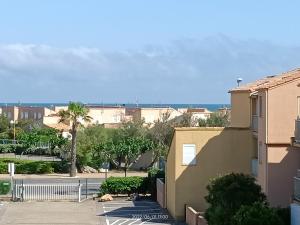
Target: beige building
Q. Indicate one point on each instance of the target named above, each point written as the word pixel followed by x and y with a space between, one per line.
pixel 262 140
pixel 197 155
pixel 150 115
pixel 271 106
pixel 25 112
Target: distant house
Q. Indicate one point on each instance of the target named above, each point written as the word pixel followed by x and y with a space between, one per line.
pixel 25 112
pixel 150 115
pixel 262 140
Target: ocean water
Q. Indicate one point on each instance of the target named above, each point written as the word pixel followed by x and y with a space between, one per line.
pixel 211 107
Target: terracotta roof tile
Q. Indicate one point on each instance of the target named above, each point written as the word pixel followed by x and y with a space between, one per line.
pixel 269 81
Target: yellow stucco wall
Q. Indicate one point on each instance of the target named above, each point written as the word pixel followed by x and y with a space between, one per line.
pixel 240 109
pixel 170 177
pixel 219 151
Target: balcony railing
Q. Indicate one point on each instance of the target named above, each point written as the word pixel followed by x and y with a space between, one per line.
pixel 297 130
pixel 254 123
pixel 254 167
pixel 297 188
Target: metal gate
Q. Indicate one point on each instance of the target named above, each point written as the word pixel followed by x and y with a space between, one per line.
pixel 43 192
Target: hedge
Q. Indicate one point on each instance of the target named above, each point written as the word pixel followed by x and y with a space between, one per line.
pixel 34 167
pixel 124 185
pixel 130 185
pixel 11 148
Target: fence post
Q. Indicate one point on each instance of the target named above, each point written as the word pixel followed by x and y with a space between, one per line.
pixel 86 188
pixel 79 192
pixel 22 193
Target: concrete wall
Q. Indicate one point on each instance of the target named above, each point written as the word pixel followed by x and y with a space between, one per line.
pixel 170 177
pixel 283 162
pixel 282 112
pixel 240 109
pixel 218 151
pixel 106 115
pixel 160 193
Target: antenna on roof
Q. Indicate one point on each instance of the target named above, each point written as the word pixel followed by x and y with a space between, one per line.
pixel 239 80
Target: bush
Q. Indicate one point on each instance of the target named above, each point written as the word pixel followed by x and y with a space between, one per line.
pixel 153 174
pixel 4 187
pixel 123 185
pixel 34 167
pixel 227 194
pixel 10 148
pixel 284 214
pixel 256 214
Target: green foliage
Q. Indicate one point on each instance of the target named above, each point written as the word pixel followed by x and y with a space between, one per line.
pixel 10 148
pixel 215 120
pixel 33 167
pixel 227 194
pixel 49 136
pixel 75 114
pixel 256 214
pixel 123 185
pixel 4 187
pixel 284 214
pixel 92 145
pixel 153 174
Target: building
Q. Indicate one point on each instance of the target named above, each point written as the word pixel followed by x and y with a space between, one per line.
pixel 25 112
pixel 198 154
pixel 150 115
pixel 262 140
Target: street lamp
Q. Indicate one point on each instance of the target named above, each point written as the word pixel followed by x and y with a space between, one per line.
pixel 13 123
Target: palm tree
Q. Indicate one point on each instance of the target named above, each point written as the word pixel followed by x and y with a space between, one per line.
pixel 75 115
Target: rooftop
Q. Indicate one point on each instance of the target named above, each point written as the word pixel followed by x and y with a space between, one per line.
pixel 269 81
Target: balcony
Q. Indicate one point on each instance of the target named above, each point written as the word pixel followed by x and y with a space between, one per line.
pixel 297 131
pixel 297 188
pixel 254 167
pixel 254 123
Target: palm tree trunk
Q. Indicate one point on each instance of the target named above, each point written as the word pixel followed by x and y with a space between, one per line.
pixel 73 153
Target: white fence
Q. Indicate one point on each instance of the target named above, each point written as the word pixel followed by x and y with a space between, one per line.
pixel 44 192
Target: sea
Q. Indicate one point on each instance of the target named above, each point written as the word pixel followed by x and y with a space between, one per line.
pixel 211 107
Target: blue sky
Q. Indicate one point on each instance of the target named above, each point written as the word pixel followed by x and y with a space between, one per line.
pixel 157 51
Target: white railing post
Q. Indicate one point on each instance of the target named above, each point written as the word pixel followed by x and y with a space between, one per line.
pixel 79 192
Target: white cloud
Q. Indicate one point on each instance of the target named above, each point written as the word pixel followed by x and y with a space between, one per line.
pixel 187 70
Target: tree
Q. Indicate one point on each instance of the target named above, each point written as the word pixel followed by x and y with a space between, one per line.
pixel 129 148
pixel 75 114
pixel 256 214
pixel 92 145
pixel 215 120
pixel 227 194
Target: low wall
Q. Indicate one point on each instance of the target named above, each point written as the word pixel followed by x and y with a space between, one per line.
pixel 192 217
pixel 160 196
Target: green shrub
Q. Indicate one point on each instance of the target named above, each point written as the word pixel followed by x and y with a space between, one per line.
pixel 4 187
pixel 284 214
pixel 256 214
pixel 122 185
pixel 227 194
pixel 10 148
pixel 153 174
pixel 34 167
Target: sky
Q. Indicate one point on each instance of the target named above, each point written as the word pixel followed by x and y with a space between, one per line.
pixel 154 51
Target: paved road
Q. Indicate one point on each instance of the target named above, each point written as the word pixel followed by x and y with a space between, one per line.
pixel 134 213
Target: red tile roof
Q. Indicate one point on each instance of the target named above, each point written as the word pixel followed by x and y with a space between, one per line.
pixel 269 82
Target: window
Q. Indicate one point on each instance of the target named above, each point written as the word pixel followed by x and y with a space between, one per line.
pixel 39 115
pixel 189 154
pixel 260 152
pixel 26 115
pixel 260 106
